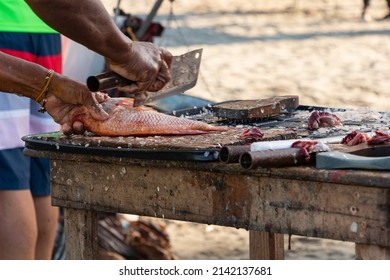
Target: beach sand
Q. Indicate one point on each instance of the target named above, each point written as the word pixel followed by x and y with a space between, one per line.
pixel 318 50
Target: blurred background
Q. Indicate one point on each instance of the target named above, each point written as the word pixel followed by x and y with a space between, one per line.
pixel 321 50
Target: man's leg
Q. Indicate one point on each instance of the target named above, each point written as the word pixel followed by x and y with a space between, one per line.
pixel 18 230
pixel 47 219
pixel 365 16
pixel 388 13
pixel 46 215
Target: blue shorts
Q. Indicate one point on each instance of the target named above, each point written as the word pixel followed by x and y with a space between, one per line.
pixel 18 172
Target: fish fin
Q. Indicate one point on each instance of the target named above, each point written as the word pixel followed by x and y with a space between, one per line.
pixel 128 103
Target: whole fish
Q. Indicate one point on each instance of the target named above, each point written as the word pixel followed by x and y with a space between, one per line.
pixel 126 120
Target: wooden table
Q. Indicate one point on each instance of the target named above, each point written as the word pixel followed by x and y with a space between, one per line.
pixel 348 205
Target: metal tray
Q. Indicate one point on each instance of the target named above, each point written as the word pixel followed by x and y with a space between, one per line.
pixel 199 152
pixel 47 142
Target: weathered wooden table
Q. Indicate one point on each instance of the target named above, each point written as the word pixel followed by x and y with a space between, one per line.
pixel 348 205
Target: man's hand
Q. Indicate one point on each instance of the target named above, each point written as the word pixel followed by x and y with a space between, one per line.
pixel 65 96
pixel 146 64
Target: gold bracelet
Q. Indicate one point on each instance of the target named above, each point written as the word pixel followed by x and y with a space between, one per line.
pixel 44 91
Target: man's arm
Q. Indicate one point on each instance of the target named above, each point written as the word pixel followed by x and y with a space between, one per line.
pixel 88 23
pixel 21 77
pixel 24 78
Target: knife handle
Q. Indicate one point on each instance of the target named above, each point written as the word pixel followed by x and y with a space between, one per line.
pixel 106 80
pixel 231 154
pixel 272 158
pixel 340 160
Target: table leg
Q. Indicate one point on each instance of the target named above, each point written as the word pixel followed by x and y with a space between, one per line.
pixel 81 241
pixel 371 252
pixel 266 245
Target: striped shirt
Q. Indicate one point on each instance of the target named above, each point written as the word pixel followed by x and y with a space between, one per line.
pixel 30 39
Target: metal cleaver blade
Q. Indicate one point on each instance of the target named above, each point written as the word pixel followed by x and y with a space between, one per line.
pixel 184 75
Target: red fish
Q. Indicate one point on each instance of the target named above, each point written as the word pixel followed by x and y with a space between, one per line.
pixel 126 120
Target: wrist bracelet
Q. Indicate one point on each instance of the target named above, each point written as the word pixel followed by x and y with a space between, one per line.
pixel 44 91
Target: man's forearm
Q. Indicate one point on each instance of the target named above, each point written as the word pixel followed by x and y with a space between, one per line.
pixel 86 22
pixel 21 77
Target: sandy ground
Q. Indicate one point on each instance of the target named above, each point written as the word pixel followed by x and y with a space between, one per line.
pixel 319 50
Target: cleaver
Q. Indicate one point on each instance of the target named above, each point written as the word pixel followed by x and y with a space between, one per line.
pixel 184 75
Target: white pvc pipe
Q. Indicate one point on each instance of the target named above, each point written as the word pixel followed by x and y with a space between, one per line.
pixel 285 144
